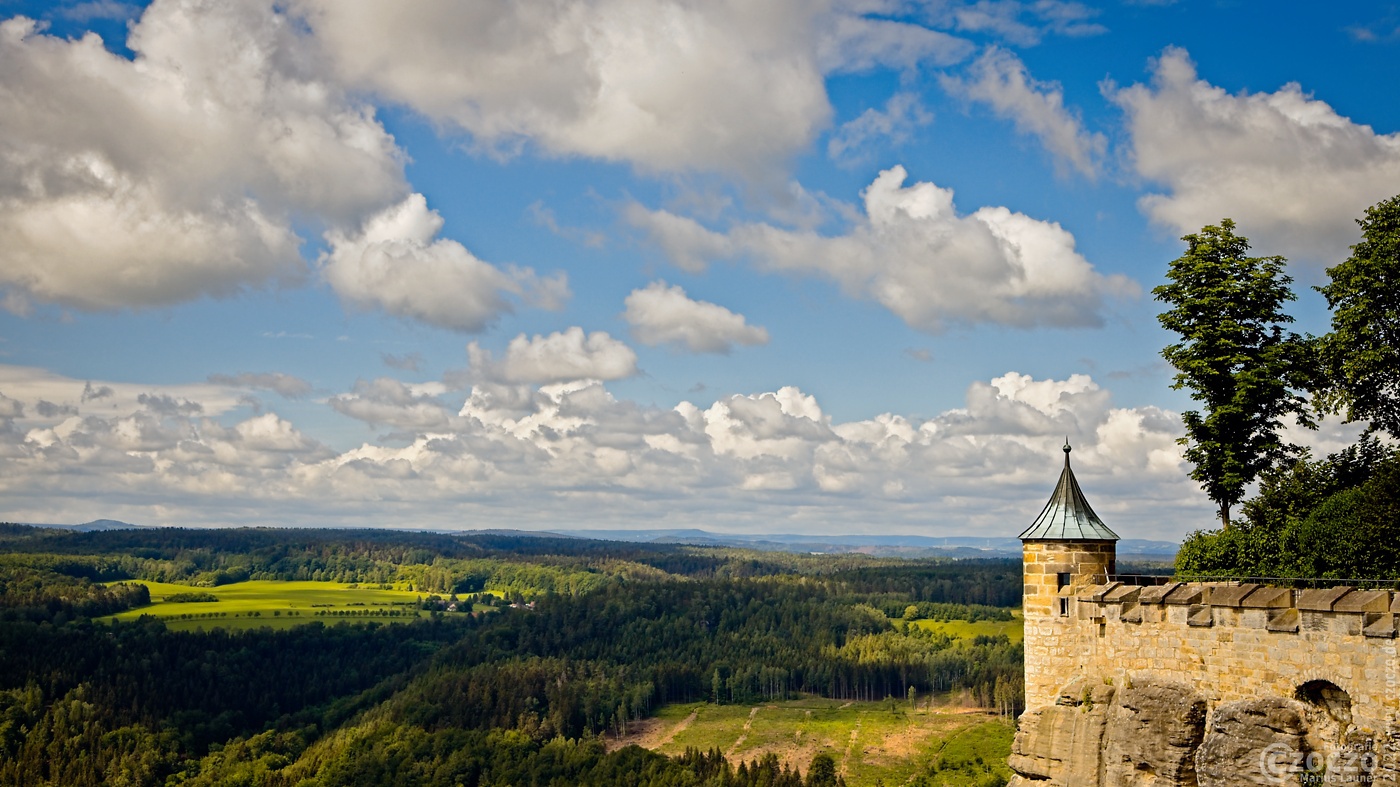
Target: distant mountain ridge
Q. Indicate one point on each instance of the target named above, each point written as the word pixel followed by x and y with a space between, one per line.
pixel 877 545
pixel 883 545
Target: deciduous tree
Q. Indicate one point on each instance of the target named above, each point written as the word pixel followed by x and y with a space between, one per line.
pixel 1361 355
pixel 1235 358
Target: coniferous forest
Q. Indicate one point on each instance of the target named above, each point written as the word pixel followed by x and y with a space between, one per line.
pixel 587 637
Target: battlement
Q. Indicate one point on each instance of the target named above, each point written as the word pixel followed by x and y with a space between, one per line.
pixel 1192 683
pixel 1340 610
pixel 1229 641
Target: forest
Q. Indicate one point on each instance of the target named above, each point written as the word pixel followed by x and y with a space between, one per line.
pixel 520 694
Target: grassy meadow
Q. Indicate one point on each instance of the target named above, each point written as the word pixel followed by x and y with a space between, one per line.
pixel 872 742
pixel 1013 629
pixel 259 603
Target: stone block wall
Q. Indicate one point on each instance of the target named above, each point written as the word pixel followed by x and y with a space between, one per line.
pixel 1312 671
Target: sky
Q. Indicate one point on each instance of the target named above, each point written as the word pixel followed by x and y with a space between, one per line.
pixel 798 266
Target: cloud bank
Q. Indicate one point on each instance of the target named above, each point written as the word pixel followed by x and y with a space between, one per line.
pixel 915 255
pixel 544 454
pixel 665 86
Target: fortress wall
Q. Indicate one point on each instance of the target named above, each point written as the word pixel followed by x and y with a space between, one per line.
pixel 1226 642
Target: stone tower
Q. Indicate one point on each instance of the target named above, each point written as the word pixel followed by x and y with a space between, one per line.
pixel 1065 549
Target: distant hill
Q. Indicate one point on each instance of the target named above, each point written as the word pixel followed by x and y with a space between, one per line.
pixel 883 546
pixel 97 524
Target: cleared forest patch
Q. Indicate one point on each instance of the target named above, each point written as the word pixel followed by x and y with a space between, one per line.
pixel 874 741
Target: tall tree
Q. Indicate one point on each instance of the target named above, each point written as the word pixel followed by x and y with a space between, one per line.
pixel 1361 355
pixel 1235 358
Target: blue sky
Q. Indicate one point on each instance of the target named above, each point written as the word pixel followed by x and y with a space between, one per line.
pixel 789 267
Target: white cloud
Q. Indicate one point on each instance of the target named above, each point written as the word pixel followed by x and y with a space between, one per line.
pixel 132 183
pixel 902 114
pixel 1286 167
pixel 397 263
pixel 387 401
pixel 66 395
pixel 915 255
pixel 1021 23
pixel 522 455
pixel 559 357
pixel 667 86
pixel 1000 80
pixel 660 314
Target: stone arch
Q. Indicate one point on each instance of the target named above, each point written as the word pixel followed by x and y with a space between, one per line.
pixel 1327 713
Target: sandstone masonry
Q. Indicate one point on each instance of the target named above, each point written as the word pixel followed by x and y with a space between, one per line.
pixel 1196 683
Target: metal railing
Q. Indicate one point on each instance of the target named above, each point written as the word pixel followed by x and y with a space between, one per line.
pixel 1286 582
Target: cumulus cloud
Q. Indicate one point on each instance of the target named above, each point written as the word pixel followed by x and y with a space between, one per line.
pixel 1000 80
pixel 902 114
pixel 1285 166
pixel 179 173
pixel 667 86
pixel 397 263
pixel 661 314
pixel 559 357
pixel 287 385
pixel 387 401
pixel 521 454
pixel 912 253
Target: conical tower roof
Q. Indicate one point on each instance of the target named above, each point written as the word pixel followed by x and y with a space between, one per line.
pixel 1067 516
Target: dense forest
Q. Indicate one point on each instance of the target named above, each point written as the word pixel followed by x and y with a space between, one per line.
pixel 518 696
pixel 1333 518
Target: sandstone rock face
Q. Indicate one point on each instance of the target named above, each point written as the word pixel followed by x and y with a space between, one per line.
pixel 1245 735
pixel 1060 745
pixel 1162 734
pixel 1153 733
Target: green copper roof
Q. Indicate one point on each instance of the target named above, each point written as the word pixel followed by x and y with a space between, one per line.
pixel 1068 517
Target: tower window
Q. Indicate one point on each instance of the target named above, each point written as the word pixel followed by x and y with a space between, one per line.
pixel 1061 580
pixel 1064 607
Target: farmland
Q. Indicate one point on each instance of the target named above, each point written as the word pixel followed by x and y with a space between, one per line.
pixel 259 603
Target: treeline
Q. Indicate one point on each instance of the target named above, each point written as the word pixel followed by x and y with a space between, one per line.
pixel 1333 518
pixel 519 697
pixel 380 754
pixel 35 594
pixel 591 664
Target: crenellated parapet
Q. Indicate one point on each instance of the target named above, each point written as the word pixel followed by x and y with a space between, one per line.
pixel 1196 684
pixel 1279 672
pixel 1341 609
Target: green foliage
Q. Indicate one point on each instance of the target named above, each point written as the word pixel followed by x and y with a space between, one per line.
pixel 975 757
pixel 1235 358
pixel 822 772
pixel 1334 518
pixel 1361 355
pixel 190 598
pixel 515 697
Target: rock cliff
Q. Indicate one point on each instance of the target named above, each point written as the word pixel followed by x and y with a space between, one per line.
pixel 1165 735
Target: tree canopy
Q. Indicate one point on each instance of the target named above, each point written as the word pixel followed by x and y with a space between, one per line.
pixel 1336 518
pixel 1361 355
pixel 1235 358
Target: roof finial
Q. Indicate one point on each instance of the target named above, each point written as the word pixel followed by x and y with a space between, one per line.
pixel 1067 448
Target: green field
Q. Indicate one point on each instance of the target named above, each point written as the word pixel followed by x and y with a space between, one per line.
pixel 260 603
pixel 870 742
pixel 1013 629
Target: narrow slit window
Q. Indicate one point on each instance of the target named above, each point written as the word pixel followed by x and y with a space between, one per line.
pixel 1064 607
